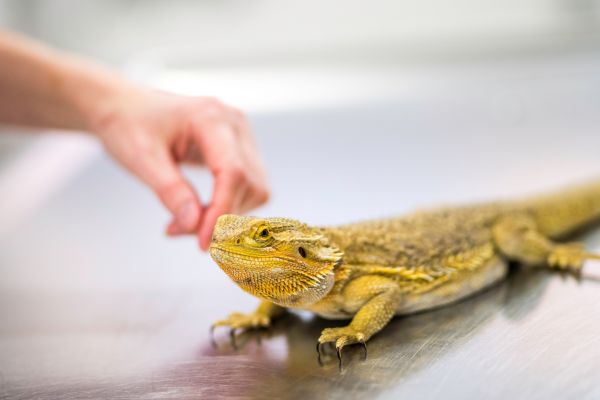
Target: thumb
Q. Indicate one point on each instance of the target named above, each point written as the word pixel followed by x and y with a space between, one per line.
pixel 174 191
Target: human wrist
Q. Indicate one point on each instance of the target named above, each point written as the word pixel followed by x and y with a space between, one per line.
pixel 95 94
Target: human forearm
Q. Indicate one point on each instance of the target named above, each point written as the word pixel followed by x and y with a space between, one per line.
pixel 42 87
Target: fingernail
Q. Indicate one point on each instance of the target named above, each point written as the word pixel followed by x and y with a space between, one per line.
pixel 187 216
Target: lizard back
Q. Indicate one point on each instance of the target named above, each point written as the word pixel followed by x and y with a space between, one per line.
pixel 435 256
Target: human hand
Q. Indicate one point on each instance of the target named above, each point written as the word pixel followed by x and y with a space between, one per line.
pixel 151 132
pixel 148 131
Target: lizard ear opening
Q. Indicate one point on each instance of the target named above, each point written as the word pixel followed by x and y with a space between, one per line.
pixel 331 256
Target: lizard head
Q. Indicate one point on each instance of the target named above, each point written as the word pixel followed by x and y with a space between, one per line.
pixel 276 259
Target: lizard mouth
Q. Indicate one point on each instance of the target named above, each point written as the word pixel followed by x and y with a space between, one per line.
pixel 286 286
pixel 217 252
pixel 230 260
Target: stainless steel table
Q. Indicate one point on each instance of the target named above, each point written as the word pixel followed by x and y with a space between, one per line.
pixel 96 303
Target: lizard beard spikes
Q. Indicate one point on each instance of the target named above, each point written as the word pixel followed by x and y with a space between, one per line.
pixel 277 280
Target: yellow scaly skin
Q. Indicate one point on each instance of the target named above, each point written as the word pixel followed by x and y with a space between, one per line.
pixel 373 270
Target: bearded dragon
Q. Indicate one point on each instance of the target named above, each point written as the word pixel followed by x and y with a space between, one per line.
pixel 370 271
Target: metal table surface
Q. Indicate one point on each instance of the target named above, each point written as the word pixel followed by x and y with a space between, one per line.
pixel 96 303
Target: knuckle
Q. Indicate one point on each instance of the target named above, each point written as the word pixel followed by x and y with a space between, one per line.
pixel 213 109
pixel 263 194
pixel 237 173
pixel 237 113
pixel 213 101
pixel 143 144
pixel 173 193
pixel 165 193
pixel 141 149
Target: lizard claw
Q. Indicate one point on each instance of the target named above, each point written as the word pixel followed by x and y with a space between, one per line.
pixel 212 336
pixel 341 337
pixel 238 321
pixel 232 338
pixel 319 354
pixel 364 344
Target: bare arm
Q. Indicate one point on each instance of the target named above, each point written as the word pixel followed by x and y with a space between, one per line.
pixel 147 131
pixel 44 88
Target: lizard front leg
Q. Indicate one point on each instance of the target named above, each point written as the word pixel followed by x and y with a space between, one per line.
pixel 260 318
pixel 376 298
pixel 517 237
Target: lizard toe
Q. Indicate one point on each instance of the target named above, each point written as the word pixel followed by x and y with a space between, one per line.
pixel 568 257
pixel 239 321
pixel 342 337
pixel 244 321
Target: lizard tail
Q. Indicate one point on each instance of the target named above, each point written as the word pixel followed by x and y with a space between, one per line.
pixel 562 213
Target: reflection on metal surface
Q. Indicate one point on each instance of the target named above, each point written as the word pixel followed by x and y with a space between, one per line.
pixel 283 362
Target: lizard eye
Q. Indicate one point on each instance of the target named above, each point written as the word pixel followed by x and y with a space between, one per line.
pixel 263 233
pixel 302 252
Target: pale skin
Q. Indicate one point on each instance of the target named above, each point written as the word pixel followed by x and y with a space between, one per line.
pixel 149 132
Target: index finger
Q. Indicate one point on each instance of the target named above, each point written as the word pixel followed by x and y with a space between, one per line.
pixel 229 190
pixel 218 144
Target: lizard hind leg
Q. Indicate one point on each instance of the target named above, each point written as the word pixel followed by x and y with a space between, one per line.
pixel 518 238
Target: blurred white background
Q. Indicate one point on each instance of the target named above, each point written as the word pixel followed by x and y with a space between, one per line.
pixel 230 32
pixel 284 50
